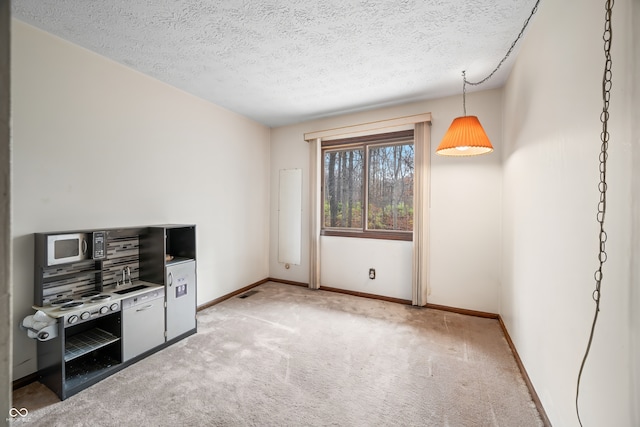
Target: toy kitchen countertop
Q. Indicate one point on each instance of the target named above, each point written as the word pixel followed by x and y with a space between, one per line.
pixel 88 305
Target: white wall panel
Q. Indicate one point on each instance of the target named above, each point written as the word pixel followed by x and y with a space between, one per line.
pixel 290 216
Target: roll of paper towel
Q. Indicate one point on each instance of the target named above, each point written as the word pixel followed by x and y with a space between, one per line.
pixel 37 322
pixel 41 316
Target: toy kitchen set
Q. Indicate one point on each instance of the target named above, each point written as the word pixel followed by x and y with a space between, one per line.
pixel 105 299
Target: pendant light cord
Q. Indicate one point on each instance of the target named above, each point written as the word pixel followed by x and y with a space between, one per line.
pixel 602 185
pixel 466 82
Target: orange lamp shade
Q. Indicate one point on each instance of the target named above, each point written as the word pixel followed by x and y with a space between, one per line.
pixel 465 137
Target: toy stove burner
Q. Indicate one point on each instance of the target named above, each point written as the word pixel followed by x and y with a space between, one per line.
pixel 72 305
pixel 61 301
pixel 89 295
pixel 103 297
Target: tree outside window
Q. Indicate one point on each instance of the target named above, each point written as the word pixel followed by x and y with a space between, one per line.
pixel 372 178
pixel 343 173
pixel 390 201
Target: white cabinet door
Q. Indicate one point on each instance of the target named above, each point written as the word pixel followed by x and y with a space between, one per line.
pixel 142 328
pixel 181 298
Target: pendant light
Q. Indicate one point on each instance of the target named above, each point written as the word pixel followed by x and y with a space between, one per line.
pixel 466 136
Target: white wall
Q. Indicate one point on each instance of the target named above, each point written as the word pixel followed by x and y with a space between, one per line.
pixel 634 55
pixel 391 260
pixel 552 105
pixel 465 214
pixel 99 145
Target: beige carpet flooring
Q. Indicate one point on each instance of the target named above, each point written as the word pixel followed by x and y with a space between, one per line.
pixel 289 356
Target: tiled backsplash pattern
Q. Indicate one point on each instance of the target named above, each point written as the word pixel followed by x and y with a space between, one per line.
pixel 73 279
pixel 121 253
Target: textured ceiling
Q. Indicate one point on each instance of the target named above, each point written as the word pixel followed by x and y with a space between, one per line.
pixel 286 61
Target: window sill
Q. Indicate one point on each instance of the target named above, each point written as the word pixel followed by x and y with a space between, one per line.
pixel 382 235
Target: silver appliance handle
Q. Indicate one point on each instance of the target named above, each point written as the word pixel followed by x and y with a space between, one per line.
pixel 170 279
pixel 146 307
pixel 84 246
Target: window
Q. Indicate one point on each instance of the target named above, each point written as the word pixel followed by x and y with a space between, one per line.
pixel 368 186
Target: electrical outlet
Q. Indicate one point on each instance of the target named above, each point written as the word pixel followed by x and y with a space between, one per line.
pixel 372 273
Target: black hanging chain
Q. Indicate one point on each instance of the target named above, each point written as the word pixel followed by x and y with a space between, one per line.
pixel 466 82
pixel 602 185
pixel 464 92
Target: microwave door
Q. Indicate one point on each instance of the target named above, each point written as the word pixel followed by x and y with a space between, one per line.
pixel 67 248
